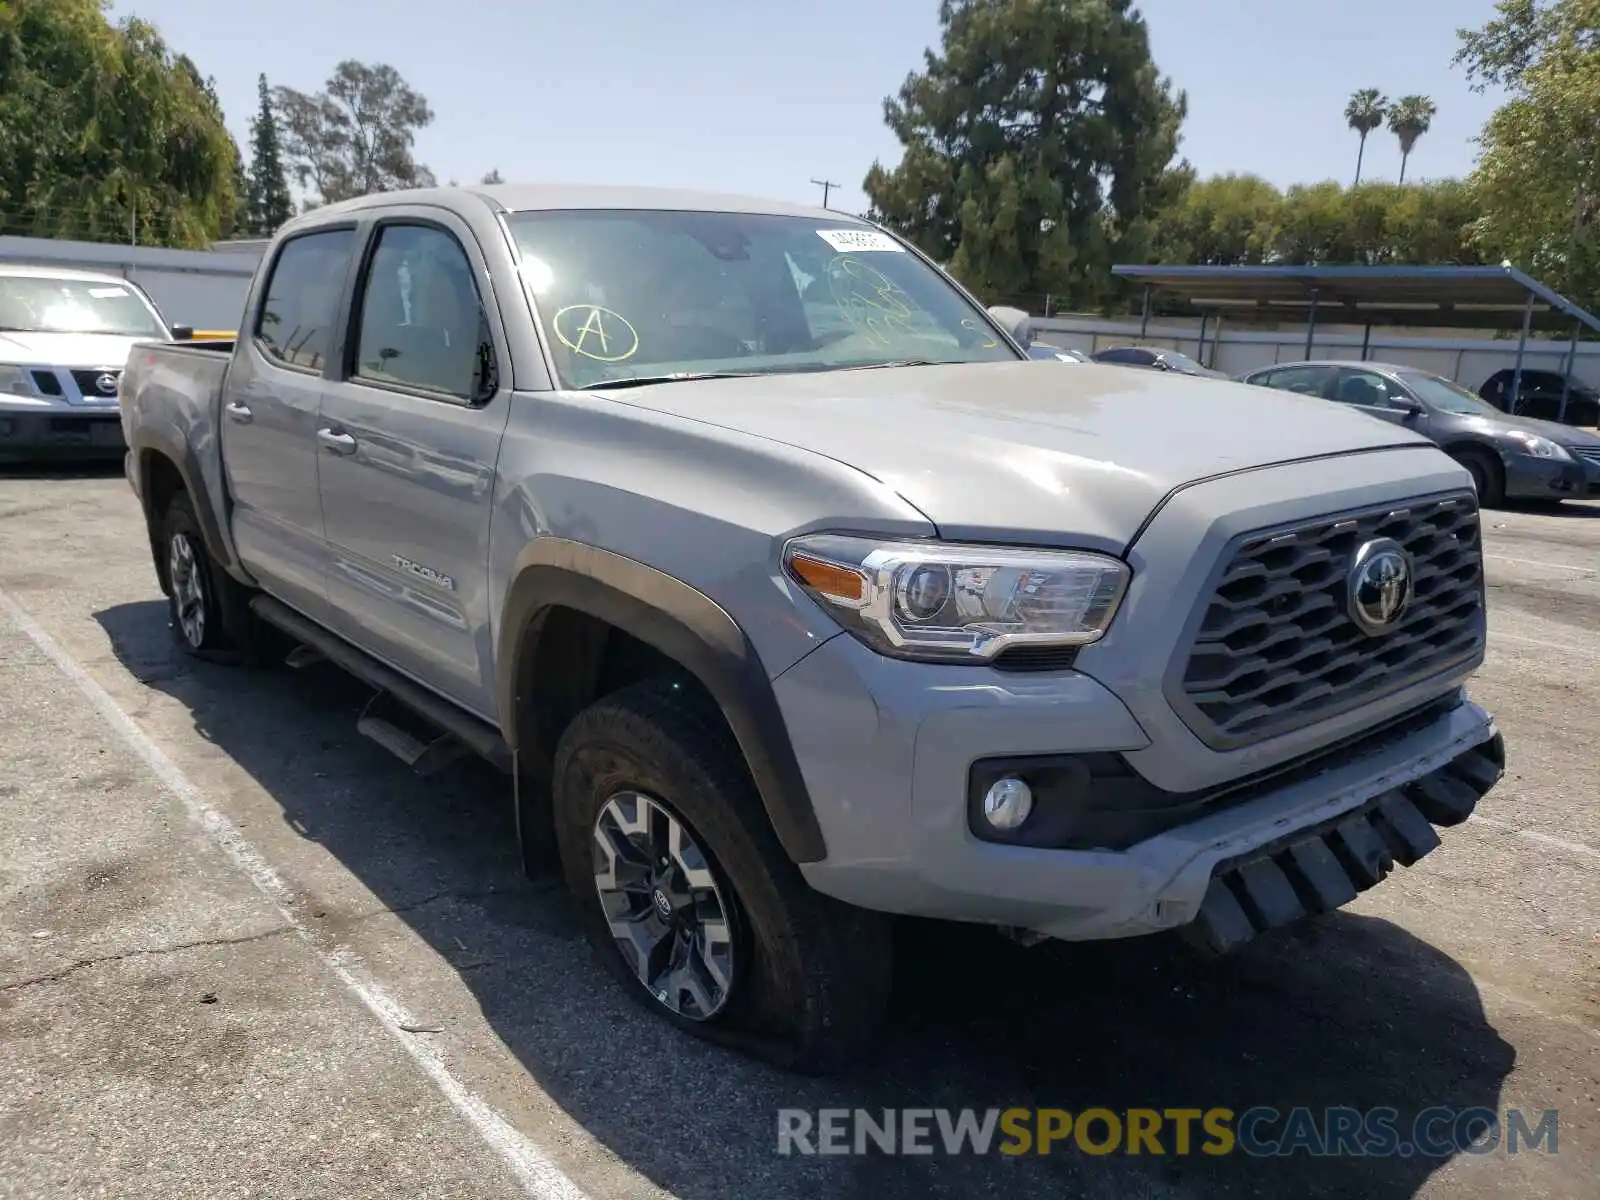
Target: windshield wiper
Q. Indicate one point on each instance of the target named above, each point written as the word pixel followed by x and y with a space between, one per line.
pixel 898 362
pixel 672 377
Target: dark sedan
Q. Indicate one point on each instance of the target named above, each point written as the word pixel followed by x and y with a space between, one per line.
pixel 1045 352
pixel 1539 395
pixel 1155 359
pixel 1509 457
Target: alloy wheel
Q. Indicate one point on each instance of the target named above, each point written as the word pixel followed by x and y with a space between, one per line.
pixel 669 916
pixel 188 589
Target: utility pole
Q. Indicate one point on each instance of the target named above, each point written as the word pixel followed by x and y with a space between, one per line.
pixel 827 186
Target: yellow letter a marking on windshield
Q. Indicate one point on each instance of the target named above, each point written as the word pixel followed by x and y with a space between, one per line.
pixel 597 326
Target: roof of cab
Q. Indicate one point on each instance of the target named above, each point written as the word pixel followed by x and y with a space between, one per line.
pixel 40 271
pixel 528 197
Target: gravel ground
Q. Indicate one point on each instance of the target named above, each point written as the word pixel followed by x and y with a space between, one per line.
pixel 244 953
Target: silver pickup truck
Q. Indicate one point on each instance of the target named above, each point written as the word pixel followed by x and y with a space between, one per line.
pixel 793 596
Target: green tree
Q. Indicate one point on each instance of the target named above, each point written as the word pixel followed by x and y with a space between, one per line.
pixel 1037 143
pixel 1409 119
pixel 269 203
pixel 1225 221
pixel 1364 113
pixel 1537 183
pixel 104 133
pixel 355 137
pixel 1233 220
pixel 492 177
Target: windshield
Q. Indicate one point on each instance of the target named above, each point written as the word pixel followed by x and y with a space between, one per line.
pixel 1448 397
pixel 1181 361
pixel 47 304
pixel 625 294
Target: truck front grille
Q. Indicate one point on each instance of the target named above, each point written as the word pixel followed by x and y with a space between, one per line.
pixel 1277 649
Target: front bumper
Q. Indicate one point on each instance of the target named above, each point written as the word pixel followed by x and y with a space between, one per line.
pixel 890 787
pixel 1530 478
pixel 60 432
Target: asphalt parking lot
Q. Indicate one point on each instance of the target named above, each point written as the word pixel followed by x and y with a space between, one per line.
pixel 244 953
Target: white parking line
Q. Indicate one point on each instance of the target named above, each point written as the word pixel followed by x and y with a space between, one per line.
pixel 1581 651
pixel 539 1177
pixel 1543 839
pixel 1537 562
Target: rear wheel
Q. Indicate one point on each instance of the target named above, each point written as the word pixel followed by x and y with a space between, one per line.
pixel 209 612
pixel 690 899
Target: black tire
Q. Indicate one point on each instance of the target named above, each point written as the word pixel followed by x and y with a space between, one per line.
pixel 810 975
pixel 209 613
pixel 1488 477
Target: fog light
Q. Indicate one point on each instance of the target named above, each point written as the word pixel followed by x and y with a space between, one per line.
pixel 1007 803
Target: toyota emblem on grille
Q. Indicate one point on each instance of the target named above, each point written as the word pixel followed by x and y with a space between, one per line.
pixel 106 384
pixel 1380 585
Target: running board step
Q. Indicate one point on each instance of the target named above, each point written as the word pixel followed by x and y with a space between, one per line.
pixel 303 656
pixel 473 734
pixel 425 752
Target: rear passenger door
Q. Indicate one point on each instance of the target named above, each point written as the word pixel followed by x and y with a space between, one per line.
pixel 1306 381
pixel 271 401
pixel 408 440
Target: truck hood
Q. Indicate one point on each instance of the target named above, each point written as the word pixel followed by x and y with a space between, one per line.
pixel 1017 452
pixel 65 349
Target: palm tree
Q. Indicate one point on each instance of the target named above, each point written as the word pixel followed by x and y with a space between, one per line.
pixel 1409 119
pixel 1365 113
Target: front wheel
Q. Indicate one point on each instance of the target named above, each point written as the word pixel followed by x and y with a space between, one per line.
pixel 1487 477
pixel 690 899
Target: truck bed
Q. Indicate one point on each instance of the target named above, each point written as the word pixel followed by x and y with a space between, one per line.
pixel 171 399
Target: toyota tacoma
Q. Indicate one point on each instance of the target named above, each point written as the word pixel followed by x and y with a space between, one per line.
pixel 794 597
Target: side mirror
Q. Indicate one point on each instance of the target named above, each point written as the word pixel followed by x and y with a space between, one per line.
pixel 183 333
pixel 1015 322
pixel 1410 408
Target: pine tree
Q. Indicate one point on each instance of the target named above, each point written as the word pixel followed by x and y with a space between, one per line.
pixel 269 204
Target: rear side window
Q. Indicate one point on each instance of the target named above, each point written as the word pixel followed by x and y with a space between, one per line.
pixel 1308 381
pixel 296 323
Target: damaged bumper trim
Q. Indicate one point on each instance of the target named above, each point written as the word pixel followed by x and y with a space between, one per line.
pixel 1322 867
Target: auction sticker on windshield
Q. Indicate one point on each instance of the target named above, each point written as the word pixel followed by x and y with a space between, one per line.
pixel 856 240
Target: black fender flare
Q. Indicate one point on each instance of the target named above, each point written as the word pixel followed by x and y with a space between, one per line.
pixel 170 446
pixel 682 623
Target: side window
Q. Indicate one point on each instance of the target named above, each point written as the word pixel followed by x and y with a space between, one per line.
pixel 1117 356
pixel 1308 381
pixel 295 325
pixel 422 323
pixel 1367 389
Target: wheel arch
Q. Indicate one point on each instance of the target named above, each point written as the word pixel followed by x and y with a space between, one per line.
pixel 163 466
pixel 553 576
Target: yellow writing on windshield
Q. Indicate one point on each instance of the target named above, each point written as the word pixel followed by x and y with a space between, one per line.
pixel 868 299
pixel 595 332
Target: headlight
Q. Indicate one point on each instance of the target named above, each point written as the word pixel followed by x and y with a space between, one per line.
pixel 1539 447
pixel 14 381
pixel 956 603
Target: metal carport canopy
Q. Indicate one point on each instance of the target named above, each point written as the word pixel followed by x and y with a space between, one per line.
pixel 1466 297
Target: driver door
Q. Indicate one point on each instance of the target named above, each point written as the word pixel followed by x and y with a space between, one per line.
pixel 1378 396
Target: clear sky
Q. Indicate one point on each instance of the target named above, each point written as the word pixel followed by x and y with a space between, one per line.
pixel 740 97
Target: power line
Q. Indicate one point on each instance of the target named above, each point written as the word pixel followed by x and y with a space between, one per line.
pixel 827 186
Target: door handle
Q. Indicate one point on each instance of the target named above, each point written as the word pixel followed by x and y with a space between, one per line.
pixel 240 413
pixel 339 443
